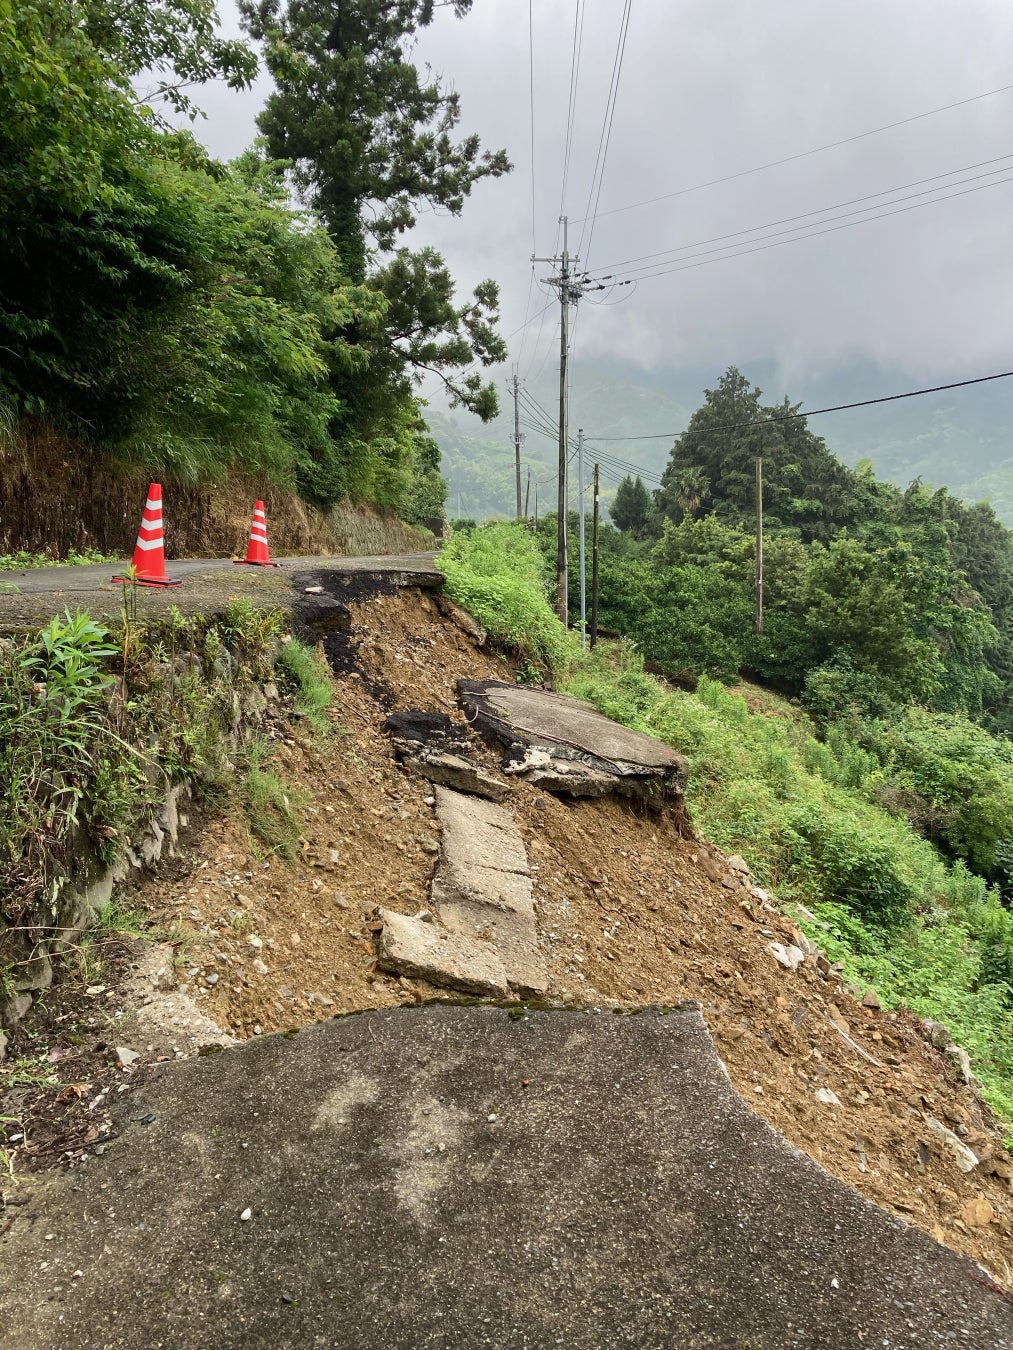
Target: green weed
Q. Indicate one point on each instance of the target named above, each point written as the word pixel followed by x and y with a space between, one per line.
pixel 21 562
pixel 271 806
pixel 309 676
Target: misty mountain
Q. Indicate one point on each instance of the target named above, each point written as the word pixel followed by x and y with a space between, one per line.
pixel 961 438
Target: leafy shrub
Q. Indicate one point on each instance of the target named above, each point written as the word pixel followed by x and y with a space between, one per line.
pixel 496 574
pixel 844 860
pixel 838 690
pixel 952 778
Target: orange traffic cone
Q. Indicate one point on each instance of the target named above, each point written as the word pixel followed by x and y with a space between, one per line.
pixel 149 551
pixel 257 554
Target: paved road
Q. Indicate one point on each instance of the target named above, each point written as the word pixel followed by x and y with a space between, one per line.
pixel 463 1177
pixel 92 576
pixel 208 584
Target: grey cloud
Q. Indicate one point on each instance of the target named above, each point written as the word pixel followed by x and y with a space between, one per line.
pixel 710 87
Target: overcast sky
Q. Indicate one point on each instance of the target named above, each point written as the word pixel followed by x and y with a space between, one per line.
pixel 710 88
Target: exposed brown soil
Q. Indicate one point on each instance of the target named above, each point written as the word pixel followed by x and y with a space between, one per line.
pixel 630 913
pixel 56 494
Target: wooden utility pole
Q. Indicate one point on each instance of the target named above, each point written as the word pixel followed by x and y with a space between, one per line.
pixel 570 291
pixel 515 385
pixel 594 564
pixel 759 544
pixel 527 495
pixel 562 569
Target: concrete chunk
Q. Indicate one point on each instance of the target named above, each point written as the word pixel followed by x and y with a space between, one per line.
pixel 512 935
pixel 478 833
pixel 413 947
pixel 454 771
pixel 482 888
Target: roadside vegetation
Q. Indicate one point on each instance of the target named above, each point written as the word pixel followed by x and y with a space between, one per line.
pixel 167 313
pixel 914 912
pixel 22 561
pixel 97 721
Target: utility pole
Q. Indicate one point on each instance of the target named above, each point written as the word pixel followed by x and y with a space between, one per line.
pixel 759 544
pixel 594 564
pixel 583 568
pixel 570 288
pixel 536 506
pixel 515 385
pixel 527 493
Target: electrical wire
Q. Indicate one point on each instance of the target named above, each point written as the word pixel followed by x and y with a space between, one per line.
pixel 598 173
pixel 815 412
pixel 578 37
pixel 836 206
pixel 531 111
pixel 538 419
pixel 804 154
pixel 812 234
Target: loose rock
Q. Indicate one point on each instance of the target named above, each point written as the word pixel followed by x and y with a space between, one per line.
pixel 962 1155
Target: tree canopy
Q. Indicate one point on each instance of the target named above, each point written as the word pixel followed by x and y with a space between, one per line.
pixel 370 143
pixel 167 309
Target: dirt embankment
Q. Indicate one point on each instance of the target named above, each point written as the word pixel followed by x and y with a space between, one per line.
pixel 630 913
pixel 56 495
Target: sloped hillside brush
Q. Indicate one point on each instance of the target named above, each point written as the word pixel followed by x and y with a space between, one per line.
pixel 104 732
pixel 918 925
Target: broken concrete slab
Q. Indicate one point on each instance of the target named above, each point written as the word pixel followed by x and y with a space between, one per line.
pixel 454 771
pixel 565 777
pixel 479 833
pixel 426 951
pixel 482 887
pixel 572 732
pixel 455 1178
pixel 512 934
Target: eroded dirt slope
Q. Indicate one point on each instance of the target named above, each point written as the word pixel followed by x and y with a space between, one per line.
pixel 630 913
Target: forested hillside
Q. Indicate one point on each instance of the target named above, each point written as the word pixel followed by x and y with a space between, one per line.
pixel 957 439
pixel 887 614
pixel 190 319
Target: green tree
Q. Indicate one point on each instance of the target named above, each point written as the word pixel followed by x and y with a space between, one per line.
pixel 631 507
pixel 370 144
pixel 174 44
pixel 804 484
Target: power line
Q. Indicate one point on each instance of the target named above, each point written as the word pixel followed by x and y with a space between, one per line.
pixel 814 412
pixel 804 154
pixel 578 37
pixel 540 421
pixel 812 234
pixel 598 173
pixel 531 118
pixel 836 206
